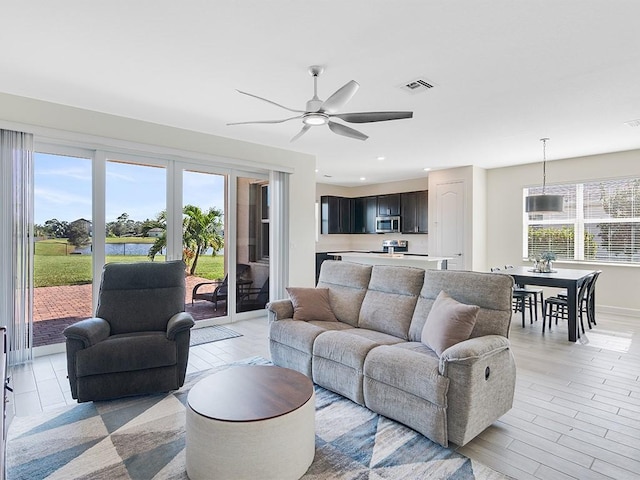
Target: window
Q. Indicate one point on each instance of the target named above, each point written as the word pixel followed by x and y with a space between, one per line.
pixel 600 222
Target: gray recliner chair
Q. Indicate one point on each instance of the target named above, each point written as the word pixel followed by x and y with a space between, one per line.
pixel 138 342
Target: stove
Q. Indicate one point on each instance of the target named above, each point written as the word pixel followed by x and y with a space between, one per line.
pixel 399 246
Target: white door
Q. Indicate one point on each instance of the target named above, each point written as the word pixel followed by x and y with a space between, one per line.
pixel 450 223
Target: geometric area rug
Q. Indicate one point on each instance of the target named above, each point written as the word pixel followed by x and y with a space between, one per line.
pixel 143 438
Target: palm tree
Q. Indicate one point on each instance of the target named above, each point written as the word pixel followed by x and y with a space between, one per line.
pixel 161 241
pixel 200 230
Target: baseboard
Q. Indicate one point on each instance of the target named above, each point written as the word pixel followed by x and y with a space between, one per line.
pixel 619 311
pixel 49 349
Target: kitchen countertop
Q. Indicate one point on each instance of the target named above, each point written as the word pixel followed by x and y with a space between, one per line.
pixel 407 259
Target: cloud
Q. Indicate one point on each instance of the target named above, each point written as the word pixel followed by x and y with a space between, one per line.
pixel 76 173
pixel 59 197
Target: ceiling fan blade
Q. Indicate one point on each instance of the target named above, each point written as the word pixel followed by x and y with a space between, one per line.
pixel 269 101
pixel 367 117
pixel 346 131
pixel 302 132
pixel 340 97
pixel 266 121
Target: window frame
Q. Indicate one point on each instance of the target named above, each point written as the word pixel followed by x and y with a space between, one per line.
pixel 581 222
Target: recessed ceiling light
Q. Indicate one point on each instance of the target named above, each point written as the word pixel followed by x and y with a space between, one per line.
pixel 426 169
pixel 317 170
pixel 380 158
pixel 362 179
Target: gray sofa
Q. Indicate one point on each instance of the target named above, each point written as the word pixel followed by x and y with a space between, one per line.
pixel 372 351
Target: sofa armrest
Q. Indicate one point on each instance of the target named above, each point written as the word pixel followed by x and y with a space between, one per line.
pixel 482 380
pixel 178 323
pixel 280 309
pixel 472 350
pixel 89 331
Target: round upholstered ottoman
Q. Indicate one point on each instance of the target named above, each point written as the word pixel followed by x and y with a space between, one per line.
pixel 250 422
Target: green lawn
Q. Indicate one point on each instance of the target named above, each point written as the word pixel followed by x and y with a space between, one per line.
pixel 53 269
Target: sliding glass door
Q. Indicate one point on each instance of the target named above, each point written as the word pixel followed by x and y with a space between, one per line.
pixel 135 211
pixel 94 207
pixel 252 243
pixel 204 241
pixel 63 243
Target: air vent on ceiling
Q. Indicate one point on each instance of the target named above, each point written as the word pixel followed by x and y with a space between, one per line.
pixel 417 85
pixel 633 123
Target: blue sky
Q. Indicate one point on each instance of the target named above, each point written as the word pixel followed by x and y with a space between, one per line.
pixel 63 189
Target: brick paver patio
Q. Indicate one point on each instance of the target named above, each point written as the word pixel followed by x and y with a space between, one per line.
pixel 55 308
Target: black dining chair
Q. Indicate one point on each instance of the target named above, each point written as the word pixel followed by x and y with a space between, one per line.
pixel 522 300
pixel 558 307
pixel 534 292
pixel 586 304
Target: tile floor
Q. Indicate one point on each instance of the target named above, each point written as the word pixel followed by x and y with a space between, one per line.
pixel 576 412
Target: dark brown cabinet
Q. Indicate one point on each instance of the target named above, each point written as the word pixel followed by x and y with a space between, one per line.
pixel 389 204
pixel 358 215
pixel 335 213
pixel 365 210
pixel 415 216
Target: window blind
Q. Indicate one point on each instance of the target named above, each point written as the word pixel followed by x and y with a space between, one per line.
pixel 600 222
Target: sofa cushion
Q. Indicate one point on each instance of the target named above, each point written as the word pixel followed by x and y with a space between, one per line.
pixel 311 304
pixel 490 291
pixel 449 322
pixel 391 299
pixel 411 367
pixel 347 283
pixel 350 347
pixel 301 335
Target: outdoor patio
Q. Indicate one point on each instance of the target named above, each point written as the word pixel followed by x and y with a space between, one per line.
pixel 55 308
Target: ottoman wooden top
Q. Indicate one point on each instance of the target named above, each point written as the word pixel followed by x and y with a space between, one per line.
pixel 250 393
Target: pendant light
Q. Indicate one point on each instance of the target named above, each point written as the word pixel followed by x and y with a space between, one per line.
pixel 544 203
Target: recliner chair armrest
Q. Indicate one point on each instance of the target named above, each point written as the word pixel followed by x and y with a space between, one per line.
pixel 178 323
pixel 280 309
pixel 89 331
pixel 470 351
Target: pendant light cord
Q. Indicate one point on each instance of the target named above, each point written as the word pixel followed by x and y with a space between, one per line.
pixel 544 164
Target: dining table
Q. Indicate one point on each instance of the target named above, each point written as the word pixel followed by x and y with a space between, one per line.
pixel 569 278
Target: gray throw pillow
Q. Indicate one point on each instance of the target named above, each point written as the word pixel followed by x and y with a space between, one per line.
pixel 449 322
pixel 311 304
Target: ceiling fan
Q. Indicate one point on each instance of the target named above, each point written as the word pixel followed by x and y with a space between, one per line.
pixel 319 112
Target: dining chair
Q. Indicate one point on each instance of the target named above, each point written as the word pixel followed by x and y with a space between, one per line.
pixel 535 292
pixel 586 304
pixel 557 306
pixel 522 300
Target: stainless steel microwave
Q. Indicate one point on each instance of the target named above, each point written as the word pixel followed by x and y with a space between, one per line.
pixel 389 224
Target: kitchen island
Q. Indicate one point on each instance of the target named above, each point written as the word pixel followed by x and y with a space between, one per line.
pixel 405 259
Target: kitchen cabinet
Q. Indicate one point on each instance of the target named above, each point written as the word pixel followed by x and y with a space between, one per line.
pixel 414 207
pixel 365 210
pixel 389 204
pixel 335 213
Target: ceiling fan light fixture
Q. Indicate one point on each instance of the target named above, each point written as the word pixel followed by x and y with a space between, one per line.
pixel 544 203
pixel 314 119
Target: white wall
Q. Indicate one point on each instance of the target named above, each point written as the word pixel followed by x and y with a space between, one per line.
pixel 617 288
pixel 68 122
pixel 418 243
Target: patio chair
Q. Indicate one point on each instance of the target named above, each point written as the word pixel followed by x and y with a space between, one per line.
pixel 138 342
pixel 254 298
pixel 221 290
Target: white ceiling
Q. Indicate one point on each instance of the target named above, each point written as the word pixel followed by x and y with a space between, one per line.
pixel 507 73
